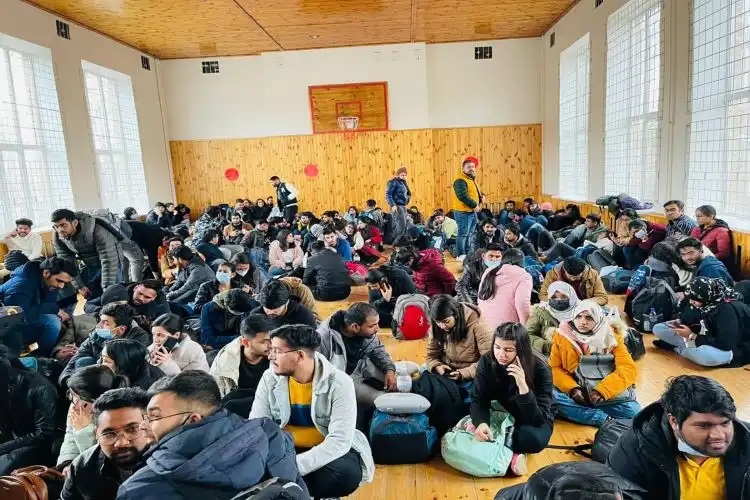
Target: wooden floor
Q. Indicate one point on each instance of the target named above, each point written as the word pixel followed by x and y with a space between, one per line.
pixel 438 481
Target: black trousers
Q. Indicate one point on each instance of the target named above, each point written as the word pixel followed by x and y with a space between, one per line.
pixel 528 439
pixel 332 294
pixel 335 479
pixel 24 457
pixel 290 212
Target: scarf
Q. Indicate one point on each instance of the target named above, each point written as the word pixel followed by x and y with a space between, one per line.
pixel 568 291
pixel 601 340
pixel 711 292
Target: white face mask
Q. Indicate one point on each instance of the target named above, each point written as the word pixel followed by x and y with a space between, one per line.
pixel 242 272
pixel 685 448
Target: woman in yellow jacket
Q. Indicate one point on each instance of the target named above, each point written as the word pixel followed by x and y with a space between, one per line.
pixel 593 372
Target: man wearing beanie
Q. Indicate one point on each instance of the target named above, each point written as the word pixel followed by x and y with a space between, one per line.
pixel 397 195
pixel 466 204
pixel 278 303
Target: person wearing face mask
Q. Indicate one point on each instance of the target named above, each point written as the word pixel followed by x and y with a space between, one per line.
pixel 221 318
pixel 546 317
pixel 645 234
pixel 249 278
pixel 505 291
pixel 474 267
pixel 689 445
pixel 115 321
pixel 583 278
pixel 122 439
pixel 521 383
pixel 225 280
pixel 172 350
pixel 130 360
pixel 583 395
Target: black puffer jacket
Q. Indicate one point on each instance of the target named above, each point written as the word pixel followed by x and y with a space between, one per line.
pixel 467 286
pixel 400 282
pixel 152 310
pixel 647 455
pixel 326 270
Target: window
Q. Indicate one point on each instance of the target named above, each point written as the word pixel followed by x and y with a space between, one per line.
pixel 574 119
pixel 718 171
pixel 33 163
pixel 117 145
pixel 632 120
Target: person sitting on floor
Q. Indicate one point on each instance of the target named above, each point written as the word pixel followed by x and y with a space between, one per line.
pixel 259 237
pixel 588 231
pixel 158 216
pixel 284 254
pixel 428 271
pixel 488 233
pixel 278 303
pixel 249 278
pixel 467 286
pixel 122 438
pixel 318 409
pixel 714 233
pixel 714 331
pixel 546 317
pixel 645 234
pixel 374 213
pixel 444 230
pixel 355 239
pixel 129 360
pixel 208 247
pixel 192 272
pixel 172 350
pixel 146 299
pixel 521 383
pixel 679 223
pixel 583 278
pixel 505 291
pixel 691 253
pixel 373 239
pixel 115 321
pixel 338 244
pixel 226 279
pixel 203 451
pixel 326 274
pixel 349 340
pixel 386 284
pixel 523 220
pixel 514 239
pixel 580 397
pixel 84 387
pixel 221 318
pixel 688 445
pixel 459 338
pixel 235 231
pixel 28 408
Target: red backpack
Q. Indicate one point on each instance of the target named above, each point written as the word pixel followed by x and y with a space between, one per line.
pixel 410 318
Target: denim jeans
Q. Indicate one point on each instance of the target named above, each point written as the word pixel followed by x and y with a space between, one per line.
pixel 584 252
pixel 44 331
pixel 704 355
pixel 399 221
pixel 575 237
pixel 467 225
pixel 593 415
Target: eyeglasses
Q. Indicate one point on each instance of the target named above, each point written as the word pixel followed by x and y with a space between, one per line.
pixel 277 352
pixel 130 433
pixel 74 398
pixel 154 419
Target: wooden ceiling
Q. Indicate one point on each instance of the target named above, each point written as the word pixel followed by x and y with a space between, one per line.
pixel 170 29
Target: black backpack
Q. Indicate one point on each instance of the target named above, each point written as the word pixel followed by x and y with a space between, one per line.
pixel 655 294
pixel 604 440
pixel 599 259
pixel 618 281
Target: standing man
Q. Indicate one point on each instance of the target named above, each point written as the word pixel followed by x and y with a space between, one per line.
pixel 466 196
pixel 397 195
pixel 286 197
pixel 23 240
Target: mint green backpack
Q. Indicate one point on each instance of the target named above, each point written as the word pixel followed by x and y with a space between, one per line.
pixel 462 451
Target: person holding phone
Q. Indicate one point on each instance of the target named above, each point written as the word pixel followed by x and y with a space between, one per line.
pixel 521 383
pixel 172 350
pixel 386 284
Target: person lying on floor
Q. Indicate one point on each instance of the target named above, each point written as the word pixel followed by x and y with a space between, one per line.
pixel 505 291
pixel 326 274
pixel 467 286
pixel 386 284
pixel 521 383
pixel 582 277
pixel 583 396
pixel 546 317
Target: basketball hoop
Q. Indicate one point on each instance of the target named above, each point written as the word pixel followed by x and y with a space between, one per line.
pixel 349 126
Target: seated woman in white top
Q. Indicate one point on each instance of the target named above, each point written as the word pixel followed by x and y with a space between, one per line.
pixel 172 350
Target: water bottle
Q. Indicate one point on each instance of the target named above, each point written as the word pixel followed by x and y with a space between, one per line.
pixel 650 321
pixel 403 382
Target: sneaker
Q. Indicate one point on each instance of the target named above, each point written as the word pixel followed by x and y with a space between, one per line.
pixel 661 344
pixel 518 464
pixel 461 258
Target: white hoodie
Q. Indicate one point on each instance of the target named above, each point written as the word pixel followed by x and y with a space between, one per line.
pixel 30 245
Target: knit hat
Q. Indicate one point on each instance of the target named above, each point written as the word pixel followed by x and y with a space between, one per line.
pixel 114 293
pixel 546 206
pixel 400 170
pixel 316 230
pixel 472 159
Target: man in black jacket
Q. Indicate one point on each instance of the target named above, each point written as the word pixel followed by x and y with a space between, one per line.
pixel 689 444
pixel 467 286
pixel 277 303
pixel 122 438
pixel 514 239
pixel 488 232
pixel 146 299
pixel 326 274
pixel 387 284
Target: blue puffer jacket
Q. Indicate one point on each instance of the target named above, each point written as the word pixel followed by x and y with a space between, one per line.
pixel 397 193
pixel 27 290
pixel 711 267
pixel 216 457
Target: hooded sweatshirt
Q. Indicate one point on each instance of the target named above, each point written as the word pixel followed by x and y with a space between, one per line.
pixel 717 237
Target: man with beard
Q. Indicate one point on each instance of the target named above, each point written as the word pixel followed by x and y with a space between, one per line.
pixel 708 266
pixel 122 437
pixel 689 445
pixel 514 239
pixel 488 233
pixel 145 298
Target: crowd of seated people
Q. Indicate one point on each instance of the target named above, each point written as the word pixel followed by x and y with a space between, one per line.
pixel 209 345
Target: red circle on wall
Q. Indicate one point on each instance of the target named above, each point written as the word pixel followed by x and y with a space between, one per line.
pixel 311 170
pixel 232 174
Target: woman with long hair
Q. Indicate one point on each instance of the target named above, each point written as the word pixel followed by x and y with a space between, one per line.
pixel 505 291
pixel 593 372
pixel 354 237
pixel 546 317
pixel 351 214
pixel 369 253
pixel 129 359
pixel 225 280
pixel 172 350
pixel 713 233
pixel 521 383
pixel 284 254
pixel 459 338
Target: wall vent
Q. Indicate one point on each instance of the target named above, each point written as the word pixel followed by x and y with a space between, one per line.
pixel 210 67
pixel 63 30
pixel 597 3
pixel 552 39
pixel 483 52
pixel 145 63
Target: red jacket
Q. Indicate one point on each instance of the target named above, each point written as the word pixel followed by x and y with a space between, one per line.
pixel 375 237
pixel 431 276
pixel 718 239
pixel 656 233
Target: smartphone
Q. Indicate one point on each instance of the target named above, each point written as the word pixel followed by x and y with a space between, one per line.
pixel 170 344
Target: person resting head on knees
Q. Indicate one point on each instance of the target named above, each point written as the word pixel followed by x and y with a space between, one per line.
pixel 129 359
pixel 587 396
pixel 691 253
pixel 387 283
pixel 333 457
pixel 429 273
pixel 521 383
pixel 546 317
pixel 203 450
pixel 505 291
pixel 220 319
pixel 277 303
pixel 122 438
pixel 689 444
pixel 459 338
pixel 583 278
pixel 173 350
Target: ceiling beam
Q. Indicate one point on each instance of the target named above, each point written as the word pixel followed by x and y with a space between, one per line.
pixel 250 16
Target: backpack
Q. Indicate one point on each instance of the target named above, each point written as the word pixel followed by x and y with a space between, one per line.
pixel 655 294
pixel 600 259
pixel 604 440
pixel 611 203
pixel 618 281
pixel 402 439
pixel 357 272
pixel 272 489
pixel 462 451
pixel 638 279
pixel 411 320
pixel 634 342
pixel 32 483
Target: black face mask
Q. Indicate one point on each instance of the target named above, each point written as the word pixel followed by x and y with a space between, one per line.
pixel 559 304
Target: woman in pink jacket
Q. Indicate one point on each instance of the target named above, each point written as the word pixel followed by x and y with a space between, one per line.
pixel 284 254
pixel 505 291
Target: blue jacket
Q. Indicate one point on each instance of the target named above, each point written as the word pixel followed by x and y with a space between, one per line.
pixel 218 326
pixel 344 249
pixel 711 267
pixel 163 221
pixel 216 457
pixel 27 290
pixel 397 192
pixel 526 223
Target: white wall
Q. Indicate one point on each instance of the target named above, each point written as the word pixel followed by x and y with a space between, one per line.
pixel 428 86
pixel 26 22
